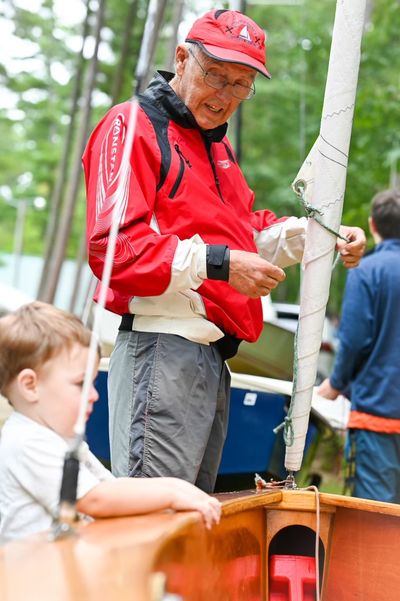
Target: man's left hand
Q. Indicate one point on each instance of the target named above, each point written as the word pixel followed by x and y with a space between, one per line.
pixel 352 251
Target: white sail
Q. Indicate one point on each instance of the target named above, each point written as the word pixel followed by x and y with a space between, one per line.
pixel 324 177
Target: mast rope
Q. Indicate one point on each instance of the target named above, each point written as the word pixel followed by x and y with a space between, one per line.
pixel 67 513
pixel 313 212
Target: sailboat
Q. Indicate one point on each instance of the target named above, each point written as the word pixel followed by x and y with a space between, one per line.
pixel 263 549
pixel 275 542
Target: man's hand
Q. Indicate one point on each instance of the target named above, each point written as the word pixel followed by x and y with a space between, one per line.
pixel 327 391
pixel 252 275
pixel 352 251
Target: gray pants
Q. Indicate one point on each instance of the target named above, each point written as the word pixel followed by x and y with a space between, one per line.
pixel 168 406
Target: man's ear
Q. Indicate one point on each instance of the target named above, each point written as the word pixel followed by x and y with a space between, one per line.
pixel 27 384
pixel 181 57
pixel 371 224
pixel 374 232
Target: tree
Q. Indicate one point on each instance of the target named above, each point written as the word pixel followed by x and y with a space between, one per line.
pixel 62 169
pixel 279 125
pixel 64 226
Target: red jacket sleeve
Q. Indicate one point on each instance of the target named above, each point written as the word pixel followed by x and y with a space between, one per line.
pixel 143 257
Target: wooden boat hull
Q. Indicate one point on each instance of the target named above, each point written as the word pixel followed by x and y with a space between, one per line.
pixel 142 557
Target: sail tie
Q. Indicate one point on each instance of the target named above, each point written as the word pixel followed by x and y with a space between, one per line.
pixel 313 212
pixel 287 425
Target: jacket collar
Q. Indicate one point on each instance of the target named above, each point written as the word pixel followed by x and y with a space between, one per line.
pixel 388 243
pixel 163 96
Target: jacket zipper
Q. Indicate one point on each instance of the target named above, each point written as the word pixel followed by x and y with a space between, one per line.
pixel 216 178
pixel 182 161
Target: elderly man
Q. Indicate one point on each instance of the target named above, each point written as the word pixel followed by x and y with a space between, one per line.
pixel 192 259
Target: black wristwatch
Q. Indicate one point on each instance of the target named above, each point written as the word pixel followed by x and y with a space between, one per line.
pixel 218 262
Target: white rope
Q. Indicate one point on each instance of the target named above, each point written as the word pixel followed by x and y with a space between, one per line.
pixel 125 171
pixel 67 511
pixel 155 9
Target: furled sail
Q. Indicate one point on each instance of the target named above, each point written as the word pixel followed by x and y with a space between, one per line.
pixel 321 181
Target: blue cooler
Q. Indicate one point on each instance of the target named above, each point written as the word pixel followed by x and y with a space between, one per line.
pixel 251 445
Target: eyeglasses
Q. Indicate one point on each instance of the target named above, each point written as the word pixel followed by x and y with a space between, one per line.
pixel 218 82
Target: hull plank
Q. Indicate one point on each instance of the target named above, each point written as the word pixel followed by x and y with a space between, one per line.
pixel 225 565
pixel 364 557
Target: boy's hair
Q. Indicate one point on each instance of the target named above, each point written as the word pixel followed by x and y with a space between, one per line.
pixel 386 213
pixel 32 335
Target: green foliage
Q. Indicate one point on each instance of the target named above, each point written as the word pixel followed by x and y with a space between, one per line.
pixel 282 121
pixel 279 125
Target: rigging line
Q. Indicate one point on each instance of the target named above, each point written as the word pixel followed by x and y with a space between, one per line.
pixel 313 212
pixel 68 493
pixel 106 276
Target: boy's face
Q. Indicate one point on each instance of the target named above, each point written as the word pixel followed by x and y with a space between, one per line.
pixel 59 390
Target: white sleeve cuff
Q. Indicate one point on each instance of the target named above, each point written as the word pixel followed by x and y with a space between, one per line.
pixel 189 267
pixel 283 243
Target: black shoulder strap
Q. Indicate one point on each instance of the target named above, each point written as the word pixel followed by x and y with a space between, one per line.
pixel 160 124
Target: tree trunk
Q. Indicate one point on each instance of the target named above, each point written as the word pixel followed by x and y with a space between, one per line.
pixel 174 36
pixel 80 260
pixel 65 222
pixel 125 51
pixel 155 13
pixel 369 9
pixel 58 190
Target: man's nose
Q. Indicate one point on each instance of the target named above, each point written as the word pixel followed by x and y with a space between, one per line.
pixel 225 93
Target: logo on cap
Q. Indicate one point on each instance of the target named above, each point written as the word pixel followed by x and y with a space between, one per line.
pixel 230 36
pixel 244 34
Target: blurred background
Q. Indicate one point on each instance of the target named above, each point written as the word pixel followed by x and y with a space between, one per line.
pixel 63 64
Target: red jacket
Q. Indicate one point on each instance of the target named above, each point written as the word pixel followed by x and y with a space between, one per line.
pixel 185 189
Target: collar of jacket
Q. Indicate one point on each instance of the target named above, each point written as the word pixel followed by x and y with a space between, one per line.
pixel 160 93
pixel 388 244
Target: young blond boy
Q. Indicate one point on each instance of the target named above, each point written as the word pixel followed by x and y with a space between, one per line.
pixel 42 365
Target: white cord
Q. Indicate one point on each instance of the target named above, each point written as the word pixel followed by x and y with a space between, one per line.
pixel 79 427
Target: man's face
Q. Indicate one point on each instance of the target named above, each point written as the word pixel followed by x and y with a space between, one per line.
pixel 209 106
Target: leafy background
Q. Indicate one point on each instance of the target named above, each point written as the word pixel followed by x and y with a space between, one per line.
pixel 279 125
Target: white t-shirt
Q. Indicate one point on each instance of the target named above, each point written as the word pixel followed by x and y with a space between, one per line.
pixel 31 466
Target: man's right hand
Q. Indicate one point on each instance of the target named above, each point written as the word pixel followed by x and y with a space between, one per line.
pixel 252 275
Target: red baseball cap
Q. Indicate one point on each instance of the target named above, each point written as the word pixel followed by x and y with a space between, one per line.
pixel 228 35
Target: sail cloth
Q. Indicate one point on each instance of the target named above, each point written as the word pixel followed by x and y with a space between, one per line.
pixel 323 177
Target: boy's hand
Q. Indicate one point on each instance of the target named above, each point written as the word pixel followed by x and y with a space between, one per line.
pixel 186 496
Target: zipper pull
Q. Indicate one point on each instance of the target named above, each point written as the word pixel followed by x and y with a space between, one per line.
pixel 179 151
